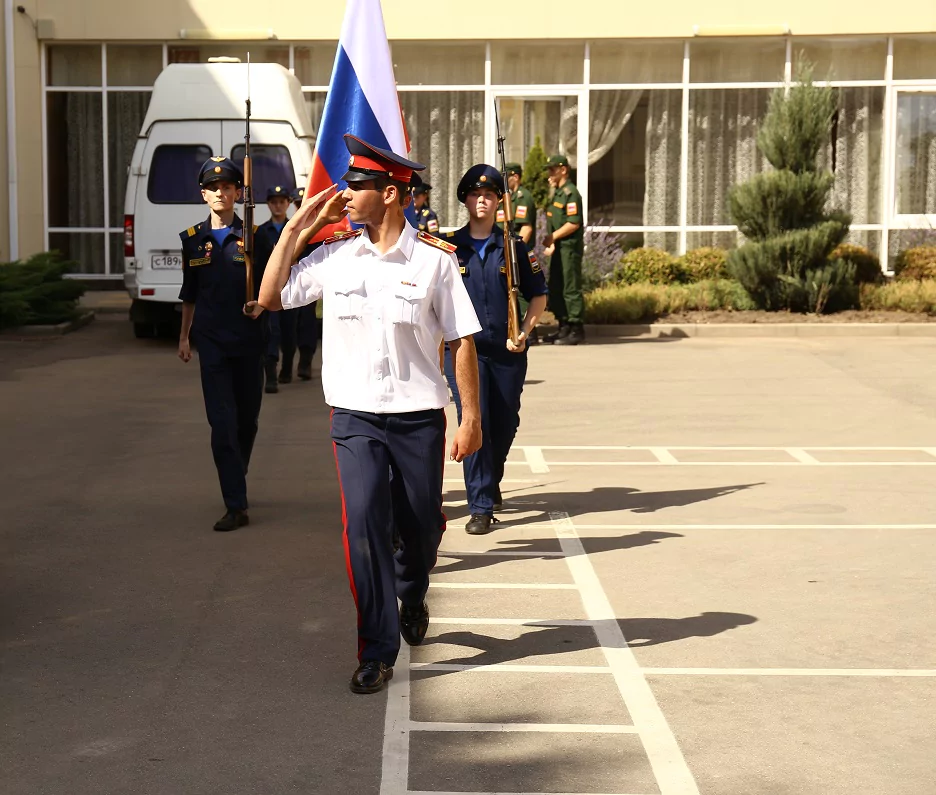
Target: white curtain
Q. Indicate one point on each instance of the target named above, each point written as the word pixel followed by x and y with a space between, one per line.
pixel 446 130
pixel 608 114
pixel 662 152
pixel 916 153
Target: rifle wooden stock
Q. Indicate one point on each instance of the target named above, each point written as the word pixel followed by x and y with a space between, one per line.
pixel 510 261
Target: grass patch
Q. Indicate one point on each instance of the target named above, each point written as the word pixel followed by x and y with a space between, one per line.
pixel 905 296
pixel 634 303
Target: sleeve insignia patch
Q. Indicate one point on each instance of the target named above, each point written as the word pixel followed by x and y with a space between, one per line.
pixel 522 211
pixel 572 208
pixel 344 235
pixel 534 263
pixel 500 216
pixel 434 241
pixel 433 225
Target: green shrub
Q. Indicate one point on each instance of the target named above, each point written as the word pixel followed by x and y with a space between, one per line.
pixel 916 263
pixel 650 266
pixel 34 292
pixel 634 303
pixel 906 296
pixel 867 266
pixel 705 263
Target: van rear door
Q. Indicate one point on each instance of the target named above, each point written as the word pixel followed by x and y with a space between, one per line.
pixel 169 200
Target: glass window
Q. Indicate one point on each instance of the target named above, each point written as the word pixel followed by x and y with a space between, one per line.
pixel 446 130
pixel 259 52
pixel 125 112
pixel 75 156
pixel 272 166
pixel 438 64
pixel 74 65
pixel 115 241
pixel 723 126
pixel 915 58
pixel 901 239
pixel 734 61
pixel 868 238
pixel 724 240
pixel 636 62
pixel 843 59
pixel 313 65
pixel 916 153
pixel 170 160
pixel 525 120
pixel 85 249
pixel 633 175
pixel 522 63
pixel 133 64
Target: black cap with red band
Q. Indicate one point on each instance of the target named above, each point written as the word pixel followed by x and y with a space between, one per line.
pixel 368 162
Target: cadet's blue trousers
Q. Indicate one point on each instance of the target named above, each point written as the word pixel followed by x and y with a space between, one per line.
pixel 232 386
pixel 389 467
pixel 291 329
pixel 500 383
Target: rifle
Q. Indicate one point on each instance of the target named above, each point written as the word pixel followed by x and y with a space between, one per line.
pixel 249 205
pixel 510 247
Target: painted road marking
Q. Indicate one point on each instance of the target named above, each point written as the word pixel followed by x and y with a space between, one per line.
pixel 557 728
pixel 812 526
pixel 394 778
pixel 534 457
pixel 509 586
pixel 514 668
pixel 666 760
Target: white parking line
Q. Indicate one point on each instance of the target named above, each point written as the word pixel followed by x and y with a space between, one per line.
pixel 555 728
pixel 462 792
pixel 873 672
pixel 499 553
pixel 508 586
pixel 648 527
pixel 516 668
pixel 534 457
pixel 395 775
pixel 666 760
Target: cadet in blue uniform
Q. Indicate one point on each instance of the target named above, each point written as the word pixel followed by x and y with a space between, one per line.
pixel 393 296
pixel 426 218
pixel 265 238
pixel 225 331
pixel 502 366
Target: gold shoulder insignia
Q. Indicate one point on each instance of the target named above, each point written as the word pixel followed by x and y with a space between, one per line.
pixel 342 236
pixel 450 234
pixel 434 241
pixel 255 228
pixel 190 231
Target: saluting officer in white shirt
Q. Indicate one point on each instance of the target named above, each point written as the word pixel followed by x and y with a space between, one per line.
pixel 392 296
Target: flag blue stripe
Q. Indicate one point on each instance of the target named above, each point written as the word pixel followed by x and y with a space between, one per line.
pixel 346 111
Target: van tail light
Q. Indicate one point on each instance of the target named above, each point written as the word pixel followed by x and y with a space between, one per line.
pixel 128 236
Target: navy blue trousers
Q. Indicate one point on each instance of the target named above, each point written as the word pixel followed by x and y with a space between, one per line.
pixel 390 475
pixel 291 329
pixel 500 383
pixel 232 386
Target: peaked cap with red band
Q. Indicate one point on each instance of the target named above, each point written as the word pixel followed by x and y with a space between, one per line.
pixel 367 162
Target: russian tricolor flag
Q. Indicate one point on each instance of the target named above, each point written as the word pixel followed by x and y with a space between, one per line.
pixel 362 98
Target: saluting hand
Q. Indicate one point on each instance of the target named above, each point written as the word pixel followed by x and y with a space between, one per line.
pixel 326 205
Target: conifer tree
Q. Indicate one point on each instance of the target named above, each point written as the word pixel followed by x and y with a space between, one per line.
pixel 783 213
pixel 535 178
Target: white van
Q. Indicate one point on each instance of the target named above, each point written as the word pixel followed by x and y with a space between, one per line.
pixel 196 112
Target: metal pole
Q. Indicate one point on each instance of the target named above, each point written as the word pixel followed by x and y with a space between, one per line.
pixel 11 133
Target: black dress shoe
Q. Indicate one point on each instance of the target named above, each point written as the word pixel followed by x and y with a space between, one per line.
pixel 414 623
pixel 231 521
pixel 479 524
pixel 370 677
pixel 576 336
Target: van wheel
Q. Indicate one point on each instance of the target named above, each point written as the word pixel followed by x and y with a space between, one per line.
pixel 143 331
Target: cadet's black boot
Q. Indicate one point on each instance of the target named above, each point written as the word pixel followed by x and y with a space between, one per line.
pixel 370 677
pixel 231 521
pixel 285 376
pixel 480 524
pixel 555 336
pixel 414 623
pixel 270 367
pixel 305 364
pixel 576 336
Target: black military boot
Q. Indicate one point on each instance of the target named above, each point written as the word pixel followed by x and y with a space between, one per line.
pixel 305 364
pixel 480 524
pixel 576 336
pixel 269 366
pixel 555 336
pixel 285 376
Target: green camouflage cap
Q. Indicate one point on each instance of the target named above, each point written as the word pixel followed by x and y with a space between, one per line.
pixel 557 160
pixel 514 168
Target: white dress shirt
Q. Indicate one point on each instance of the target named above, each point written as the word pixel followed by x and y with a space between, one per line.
pixel 385 316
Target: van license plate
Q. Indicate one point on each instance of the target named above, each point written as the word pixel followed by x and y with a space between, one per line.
pixel 166 262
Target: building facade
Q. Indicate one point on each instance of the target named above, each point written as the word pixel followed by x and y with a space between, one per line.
pixel 657 108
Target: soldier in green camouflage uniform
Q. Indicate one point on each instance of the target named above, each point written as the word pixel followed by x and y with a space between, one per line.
pixel 564 245
pixel 524 219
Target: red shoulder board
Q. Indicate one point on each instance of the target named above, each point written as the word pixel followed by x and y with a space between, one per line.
pixel 342 236
pixel 434 241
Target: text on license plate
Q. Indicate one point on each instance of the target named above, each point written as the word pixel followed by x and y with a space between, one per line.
pixel 166 261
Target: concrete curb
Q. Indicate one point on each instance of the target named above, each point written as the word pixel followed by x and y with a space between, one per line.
pixel 751 330
pixel 52 331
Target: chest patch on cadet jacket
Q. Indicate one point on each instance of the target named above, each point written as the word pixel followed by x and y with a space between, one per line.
pixel 434 241
pixel 194 263
pixel 238 258
pixel 560 205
